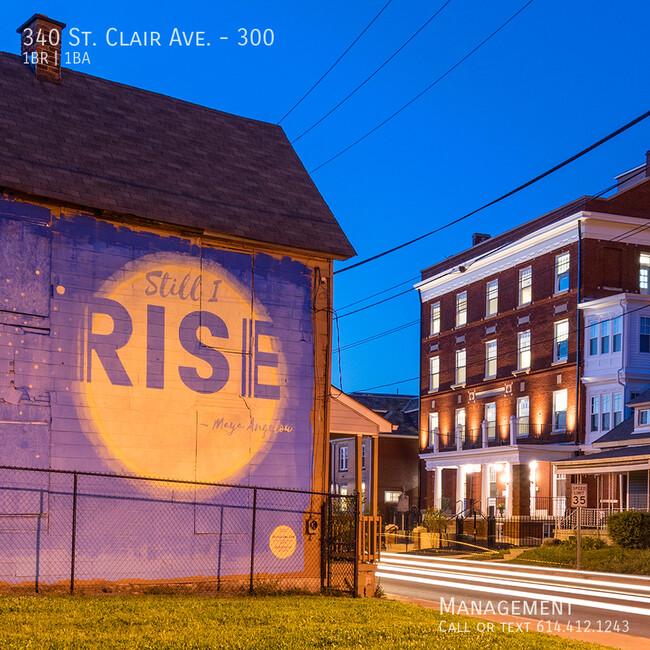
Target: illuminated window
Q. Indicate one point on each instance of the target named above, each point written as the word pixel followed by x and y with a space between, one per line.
pixel 459 420
pixel 561 338
pixel 593 339
pixel 559 410
pixel 562 272
pixel 523 416
pixel 490 359
pixel 392 496
pixel 606 415
pixel 434 374
pixel 343 491
pixel 644 271
pixel 523 350
pixel 363 457
pixel 644 416
pixel 618 408
pixel 604 337
pixel 616 338
pixel 595 412
pixel 461 309
pixel 492 298
pixel 343 459
pixel 434 327
pixel 460 366
pixel 433 425
pixel 525 286
pixel 491 419
pixel 644 337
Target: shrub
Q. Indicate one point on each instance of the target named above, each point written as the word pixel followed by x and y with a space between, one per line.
pixel 630 529
pixel 551 541
pixel 435 521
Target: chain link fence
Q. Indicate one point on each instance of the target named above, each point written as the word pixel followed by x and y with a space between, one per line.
pixel 81 532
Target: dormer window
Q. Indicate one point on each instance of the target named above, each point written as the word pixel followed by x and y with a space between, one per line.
pixel 643 417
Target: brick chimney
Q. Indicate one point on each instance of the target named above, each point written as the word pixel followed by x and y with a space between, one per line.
pixel 479 237
pixel 41 47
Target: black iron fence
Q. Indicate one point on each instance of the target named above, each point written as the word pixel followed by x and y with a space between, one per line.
pixel 90 532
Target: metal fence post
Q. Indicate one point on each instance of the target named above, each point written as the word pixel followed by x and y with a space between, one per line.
pixel 250 588
pixel 357 547
pixel 74 531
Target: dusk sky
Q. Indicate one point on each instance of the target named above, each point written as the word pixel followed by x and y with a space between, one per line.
pixel 555 79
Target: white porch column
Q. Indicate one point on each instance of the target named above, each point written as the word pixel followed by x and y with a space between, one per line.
pixel 484 432
pixel 508 472
pixel 460 481
pixel 436 442
pixel 459 441
pixel 485 488
pixel 437 488
pixel 513 430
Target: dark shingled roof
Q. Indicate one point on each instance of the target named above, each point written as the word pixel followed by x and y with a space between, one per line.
pixel 401 410
pixel 641 399
pixel 624 452
pixel 101 144
pixel 622 431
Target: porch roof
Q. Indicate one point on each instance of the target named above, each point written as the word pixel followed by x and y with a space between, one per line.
pixel 625 459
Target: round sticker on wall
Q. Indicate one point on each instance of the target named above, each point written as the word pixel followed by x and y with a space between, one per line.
pixel 282 542
pixel 183 373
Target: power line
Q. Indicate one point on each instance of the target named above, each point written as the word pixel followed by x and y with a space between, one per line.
pixel 376 336
pixel 577 330
pixel 356 302
pixel 367 79
pixel 396 113
pixel 548 172
pixel 367 27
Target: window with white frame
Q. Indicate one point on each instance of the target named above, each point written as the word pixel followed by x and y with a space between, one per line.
pixel 523 350
pixel 644 273
pixel 460 366
pixel 525 286
pixel 595 412
pixel 343 459
pixel 643 417
pixel 604 337
pixel 492 481
pixel 644 334
pixel 491 419
pixel 618 408
pixel 459 420
pixel 593 339
pixel 434 325
pixel 391 496
pixel 490 359
pixel 343 491
pixel 492 298
pixel 434 374
pixel 461 309
pixel 562 272
pixel 561 340
pixel 363 456
pixel 523 416
pixel 617 327
pixel 433 425
pixel 606 416
pixel 559 410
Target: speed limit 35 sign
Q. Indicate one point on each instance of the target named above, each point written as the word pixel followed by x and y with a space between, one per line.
pixel 578 495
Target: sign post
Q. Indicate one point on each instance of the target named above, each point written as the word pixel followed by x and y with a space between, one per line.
pixel 578 500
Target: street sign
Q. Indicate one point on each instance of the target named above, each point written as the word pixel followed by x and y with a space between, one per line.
pixel 578 495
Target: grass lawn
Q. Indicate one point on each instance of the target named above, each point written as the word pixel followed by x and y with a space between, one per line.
pixel 611 559
pixel 293 622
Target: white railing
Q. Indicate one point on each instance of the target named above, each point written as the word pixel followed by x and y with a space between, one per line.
pixel 589 518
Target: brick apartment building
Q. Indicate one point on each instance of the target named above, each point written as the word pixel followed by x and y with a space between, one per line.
pixel 504 391
pixel 165 311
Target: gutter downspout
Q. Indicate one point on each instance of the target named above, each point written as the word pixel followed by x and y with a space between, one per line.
pixel 578 332
pixel 618 372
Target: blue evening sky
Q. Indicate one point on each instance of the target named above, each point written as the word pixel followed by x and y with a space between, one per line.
pixel 557 78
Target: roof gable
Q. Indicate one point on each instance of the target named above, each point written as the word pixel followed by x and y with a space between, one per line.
pixel 105 145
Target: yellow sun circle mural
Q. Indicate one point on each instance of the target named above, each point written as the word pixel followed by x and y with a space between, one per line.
pixel 282 542
pixel 182 375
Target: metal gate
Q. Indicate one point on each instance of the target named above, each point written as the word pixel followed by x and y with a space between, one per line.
pixel 340 569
